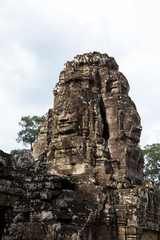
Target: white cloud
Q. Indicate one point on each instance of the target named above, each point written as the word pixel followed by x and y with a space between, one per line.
pixel 38 37
pixel 17 64
pixel 152 133
pixel 18 72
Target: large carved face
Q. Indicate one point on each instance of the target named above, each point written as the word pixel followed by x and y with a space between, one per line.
pixel 67 122
pixel 68 155
pixel 132 125
pixel 68 117
pixel 136 130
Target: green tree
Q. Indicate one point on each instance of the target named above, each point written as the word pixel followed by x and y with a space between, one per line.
pixel 16 152
pixel 152 162
pixel 30 129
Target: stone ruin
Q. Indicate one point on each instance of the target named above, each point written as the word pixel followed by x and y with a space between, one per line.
pixel 86 179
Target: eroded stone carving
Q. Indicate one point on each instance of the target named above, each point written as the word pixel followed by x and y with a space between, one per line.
pixel 86 182
pixel 94 121
pixel 41 142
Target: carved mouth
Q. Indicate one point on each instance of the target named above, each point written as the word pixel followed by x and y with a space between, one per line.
pixel 65 124
pixel 67 128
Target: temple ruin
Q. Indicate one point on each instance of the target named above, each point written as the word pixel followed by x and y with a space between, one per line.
pixel 84 180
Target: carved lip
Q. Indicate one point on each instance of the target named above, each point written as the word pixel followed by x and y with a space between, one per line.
pixel 67 127
pixel 65 124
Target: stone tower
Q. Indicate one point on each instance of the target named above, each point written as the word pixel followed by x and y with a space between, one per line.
pixel 95 125
pixel 86 182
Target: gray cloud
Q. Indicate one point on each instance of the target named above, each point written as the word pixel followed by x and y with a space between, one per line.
pixel 38 37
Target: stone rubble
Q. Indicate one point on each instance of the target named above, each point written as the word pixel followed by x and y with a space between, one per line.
pixel 86 182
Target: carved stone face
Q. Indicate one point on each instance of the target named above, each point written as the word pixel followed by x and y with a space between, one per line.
pixel 136 132
pixel 68 117
pixel 132 126
pixel 67 122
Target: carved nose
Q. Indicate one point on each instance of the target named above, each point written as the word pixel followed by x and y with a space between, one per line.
pixel 139 127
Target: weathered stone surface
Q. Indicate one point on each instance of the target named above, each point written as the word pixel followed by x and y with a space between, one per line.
pixel 6 164
pixel 24 161
pixel 87 180
pixel 41 142
pixel 95 124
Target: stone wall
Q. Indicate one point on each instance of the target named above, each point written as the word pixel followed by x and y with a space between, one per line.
pixel 148 235
pixel 86 182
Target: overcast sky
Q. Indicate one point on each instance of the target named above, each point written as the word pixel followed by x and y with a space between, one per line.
pixel 38 36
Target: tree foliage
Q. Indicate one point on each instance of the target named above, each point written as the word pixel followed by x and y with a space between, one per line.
pixel 16 152
pixel 152 162
pixel 30 129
